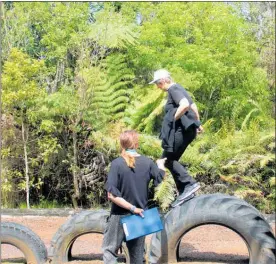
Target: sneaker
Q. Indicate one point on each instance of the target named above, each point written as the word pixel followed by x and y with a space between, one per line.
pixel 188 191
pixel 179 202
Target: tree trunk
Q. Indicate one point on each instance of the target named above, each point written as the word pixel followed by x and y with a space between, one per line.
pixel 76 194
pixel 27 177
pixel 59 76
pixel 6 30
pixel 206 112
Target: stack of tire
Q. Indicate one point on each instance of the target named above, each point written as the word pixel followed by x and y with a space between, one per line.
pixel 25 240
pixel 218 209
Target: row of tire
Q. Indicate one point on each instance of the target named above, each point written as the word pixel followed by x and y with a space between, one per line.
pixel 218 209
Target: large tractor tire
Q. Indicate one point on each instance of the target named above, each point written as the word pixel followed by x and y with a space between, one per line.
pixel 25 240
pixel 82 223
pixel 218 209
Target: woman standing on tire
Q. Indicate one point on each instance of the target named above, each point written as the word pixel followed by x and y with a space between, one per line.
pixel 127 187
pixel 179 128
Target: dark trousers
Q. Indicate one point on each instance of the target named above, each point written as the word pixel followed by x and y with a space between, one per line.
pixel 182 140
pixel 113 238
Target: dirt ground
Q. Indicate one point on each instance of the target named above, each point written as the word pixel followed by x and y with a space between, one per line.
pixel 205 244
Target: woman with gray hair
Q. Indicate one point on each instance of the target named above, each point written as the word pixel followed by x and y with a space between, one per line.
pixel 179 128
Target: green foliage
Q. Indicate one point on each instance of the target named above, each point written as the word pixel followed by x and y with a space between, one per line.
pixel 75 76
pixel 164 193
pixel 105 144
pixel 209 49
pixel 46 29
pixel 21 90
pixel 150 146
pixel 21 80
pixel 52 31
pixel 48 204
pixel 112 29
pixel 240 159
pixel 145 117
pixel 8 186
pixel 112 97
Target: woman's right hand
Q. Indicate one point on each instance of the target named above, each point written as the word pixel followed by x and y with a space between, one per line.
pixel 199 129
pixel 139 211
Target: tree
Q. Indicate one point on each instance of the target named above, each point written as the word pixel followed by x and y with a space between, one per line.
pixel 21 88
pixel 48 30
pixel 210 50
pixel 66 114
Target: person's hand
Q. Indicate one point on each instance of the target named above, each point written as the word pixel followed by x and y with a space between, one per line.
pixel 200 129
pixel 161 163
pixel 139 211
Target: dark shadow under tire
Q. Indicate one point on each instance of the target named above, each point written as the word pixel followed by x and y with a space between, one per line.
pixel 219 209
pixel 25 240
pixel 80 224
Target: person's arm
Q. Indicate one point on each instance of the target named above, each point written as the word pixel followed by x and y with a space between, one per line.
pixel 194 108
pixel 125 204
pixel 183 107
pixel 158 171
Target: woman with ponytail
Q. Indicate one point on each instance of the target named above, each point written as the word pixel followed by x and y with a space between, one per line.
pixel 127 189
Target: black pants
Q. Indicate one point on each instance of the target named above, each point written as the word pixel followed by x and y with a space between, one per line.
pixel 182 140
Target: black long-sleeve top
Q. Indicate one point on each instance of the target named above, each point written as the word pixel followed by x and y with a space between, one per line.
pixel 169 126
pixel 132 183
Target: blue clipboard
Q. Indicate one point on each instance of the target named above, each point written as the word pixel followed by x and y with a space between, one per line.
pixel 135 226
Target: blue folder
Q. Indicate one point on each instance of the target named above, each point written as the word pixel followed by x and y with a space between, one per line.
pixel 136 226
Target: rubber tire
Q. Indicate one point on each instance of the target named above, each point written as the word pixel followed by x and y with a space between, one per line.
pixel 219 209
pixel 25 240
pixel 82 223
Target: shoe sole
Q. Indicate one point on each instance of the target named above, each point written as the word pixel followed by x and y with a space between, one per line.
pixel 184 200
pixel 190 193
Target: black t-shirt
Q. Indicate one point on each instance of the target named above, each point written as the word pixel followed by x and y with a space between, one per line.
pixel 175 94
pixel 132 183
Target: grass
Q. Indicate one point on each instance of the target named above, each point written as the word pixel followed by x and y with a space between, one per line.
pixel 44 204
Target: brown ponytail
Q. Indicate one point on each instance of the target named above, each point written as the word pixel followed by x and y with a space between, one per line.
pixel 129 140
pixel 130 160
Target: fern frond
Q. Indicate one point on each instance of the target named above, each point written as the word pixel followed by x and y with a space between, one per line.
pixel 272 181
pixel 112 30
pixel 229 178
pixel 248 193
pixel 147 112
pixel 266 159
pixel 267 138
pixel 164 193
pixel 245 121
pixel 112 98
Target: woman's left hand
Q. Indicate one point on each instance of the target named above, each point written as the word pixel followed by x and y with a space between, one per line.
pixel 139 211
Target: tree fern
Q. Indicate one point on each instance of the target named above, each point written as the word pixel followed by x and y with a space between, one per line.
pixel 112 30
pixel 113 97
pixel 150 146
pixel 144 118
